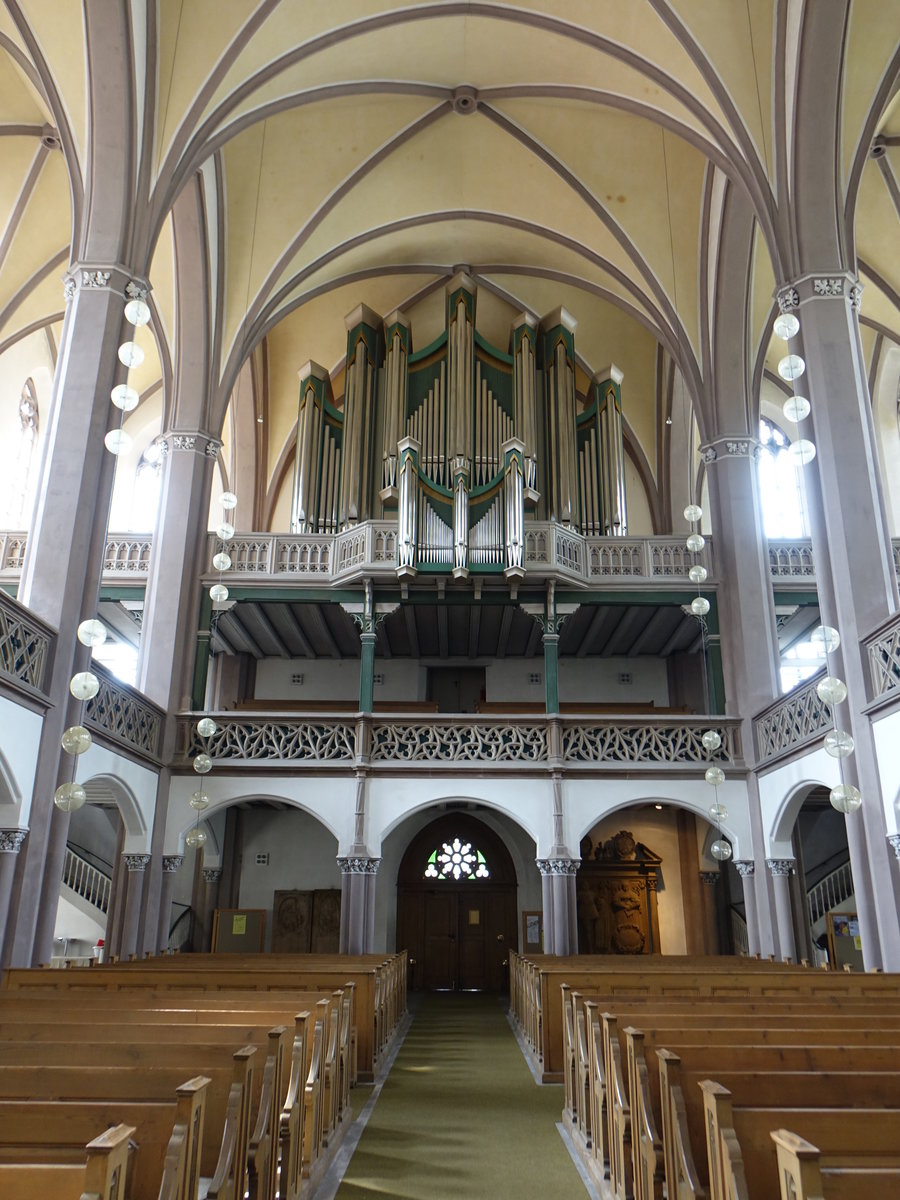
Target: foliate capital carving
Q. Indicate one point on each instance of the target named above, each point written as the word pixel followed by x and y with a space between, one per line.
pixel 12 840
pixel 835 285
pixel 894 839
pixel 788 298
pixel 359 866
pixel 212 874
pixel 172 863
pixel 558 866
pixel 745 868
pixel 137 290
pixel 136 862
pixel 69 287
pixel 193 443
pixel 731 446
pixel 780 866
pixel 710 878
pixel 95 279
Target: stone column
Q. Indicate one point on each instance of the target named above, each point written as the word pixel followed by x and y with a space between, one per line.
pixel 358 904
pixel 780 870
pixel 169 625
pixel 855 573
pixel 747 627
pixel 136 864
pixel 61 573
pixel 559 904
pixel 11 842
pixel 171 865
pixel 747 870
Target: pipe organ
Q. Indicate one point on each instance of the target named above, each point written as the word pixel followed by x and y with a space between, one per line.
pixel 317 469
pixel 459 440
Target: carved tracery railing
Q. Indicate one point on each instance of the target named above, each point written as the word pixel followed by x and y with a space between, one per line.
pixel 25 645
pixel 795 720
pixel 277 741
pixel 639 741
pixel 883 654
pixel 282 741
pixel 122 715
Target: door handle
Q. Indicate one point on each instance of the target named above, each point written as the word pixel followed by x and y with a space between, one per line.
pixel 500 937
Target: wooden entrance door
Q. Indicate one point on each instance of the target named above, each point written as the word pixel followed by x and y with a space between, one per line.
pixel 458 933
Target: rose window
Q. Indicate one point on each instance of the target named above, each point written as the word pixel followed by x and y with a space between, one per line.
pixel 457 860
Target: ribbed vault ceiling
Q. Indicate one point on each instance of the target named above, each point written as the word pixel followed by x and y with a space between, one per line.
pixel 564 152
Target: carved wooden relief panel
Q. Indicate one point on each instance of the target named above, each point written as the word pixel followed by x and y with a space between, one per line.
pixel 616 889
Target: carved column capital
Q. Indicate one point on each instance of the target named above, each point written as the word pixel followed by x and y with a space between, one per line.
pixel 193 441
pixel 894 840
pixel 172 863
pixel 780 866
pixel 136 862
pixel 728 445
pixel 710 878
pixel 820 285
pixel 745 868
pixel 212 874
pixel 107 277
pixel 358 865
pixel 12 840
pixel 558 866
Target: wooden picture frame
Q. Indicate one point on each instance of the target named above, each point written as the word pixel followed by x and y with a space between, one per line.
pixel 532 931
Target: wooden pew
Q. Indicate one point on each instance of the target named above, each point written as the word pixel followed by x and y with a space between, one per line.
pixel 56 1130
pixel 379 986
pixel 804 1173
pixel 860 1138
pixel 670 978
pixel 613 1091
pixel 102 1174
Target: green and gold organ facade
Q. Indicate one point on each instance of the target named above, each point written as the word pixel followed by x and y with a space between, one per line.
pixel 463 444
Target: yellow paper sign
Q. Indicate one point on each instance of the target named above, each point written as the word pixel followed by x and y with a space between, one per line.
pixel 239 924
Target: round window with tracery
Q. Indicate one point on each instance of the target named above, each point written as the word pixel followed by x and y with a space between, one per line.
pixel 457 860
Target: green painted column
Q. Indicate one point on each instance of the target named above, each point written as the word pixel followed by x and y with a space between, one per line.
pixel 201 655
pixel 551 671
pixel 367 672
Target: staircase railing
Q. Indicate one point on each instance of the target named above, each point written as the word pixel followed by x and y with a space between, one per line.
pixel 86 880
pixel 830 891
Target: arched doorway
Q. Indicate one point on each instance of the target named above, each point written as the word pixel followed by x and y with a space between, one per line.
pixel 456 906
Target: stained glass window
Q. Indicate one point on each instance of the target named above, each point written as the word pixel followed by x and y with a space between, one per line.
pixel 457 860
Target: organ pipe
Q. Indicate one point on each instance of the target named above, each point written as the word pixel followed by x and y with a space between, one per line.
pixel 397 343
pixel 460 363
pixel 363 336
pixel 460 517
pixel 514 506
pixel 524 397
pixel 407 508
pixel 559 368
pixel 308 463
pixel 611 451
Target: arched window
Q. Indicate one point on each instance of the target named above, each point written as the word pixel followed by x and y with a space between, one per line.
pixel 781 486
pixel 147 479
pixel 21 459
pixel 456 860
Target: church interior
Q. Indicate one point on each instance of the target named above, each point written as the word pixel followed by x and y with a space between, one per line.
pixel 450 523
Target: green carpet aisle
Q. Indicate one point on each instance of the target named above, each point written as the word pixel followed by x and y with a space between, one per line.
pixel 460 1115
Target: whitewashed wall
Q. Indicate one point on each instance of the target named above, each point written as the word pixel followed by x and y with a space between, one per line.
pixel 20 737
